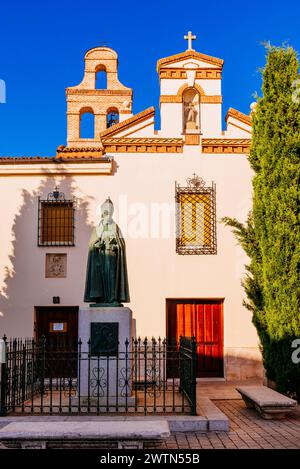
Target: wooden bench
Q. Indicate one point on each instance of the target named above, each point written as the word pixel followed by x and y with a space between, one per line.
pixel 269 403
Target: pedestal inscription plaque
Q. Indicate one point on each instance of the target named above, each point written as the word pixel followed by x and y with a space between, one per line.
pixel 105 339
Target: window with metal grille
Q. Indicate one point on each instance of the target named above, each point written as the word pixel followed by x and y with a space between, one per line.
pixel 196 218
pixel 56 220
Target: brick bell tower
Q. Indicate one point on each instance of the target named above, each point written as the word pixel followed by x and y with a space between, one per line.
pixel 114 101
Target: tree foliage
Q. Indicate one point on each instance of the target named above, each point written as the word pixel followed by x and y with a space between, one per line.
pixel 271 235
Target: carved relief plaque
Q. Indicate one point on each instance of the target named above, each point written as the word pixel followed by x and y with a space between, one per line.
pixel 104 338
pixel 56 265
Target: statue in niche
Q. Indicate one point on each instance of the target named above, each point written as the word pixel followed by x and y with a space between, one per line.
pixel 190 116
pixel 106 276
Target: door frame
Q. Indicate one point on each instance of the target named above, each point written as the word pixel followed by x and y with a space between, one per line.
pixel 222 301
pixel 52 307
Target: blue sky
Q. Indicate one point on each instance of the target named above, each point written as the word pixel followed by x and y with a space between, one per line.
pixel 42 47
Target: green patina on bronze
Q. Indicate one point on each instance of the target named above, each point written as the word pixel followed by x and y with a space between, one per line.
pixel 104 339
pixel 106 276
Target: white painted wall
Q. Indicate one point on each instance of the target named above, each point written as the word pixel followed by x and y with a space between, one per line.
pixel 211 120
pixel 156 272
pixel 237 129
pixel 171 86
pixel 210 87
pixel 171 120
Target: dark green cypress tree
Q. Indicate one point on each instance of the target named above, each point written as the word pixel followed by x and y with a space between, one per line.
pixel 271 236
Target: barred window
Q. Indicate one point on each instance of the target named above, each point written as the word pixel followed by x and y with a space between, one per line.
pixel 56 220
pixel 196 218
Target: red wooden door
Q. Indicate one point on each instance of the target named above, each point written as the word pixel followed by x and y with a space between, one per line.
pixel 202 319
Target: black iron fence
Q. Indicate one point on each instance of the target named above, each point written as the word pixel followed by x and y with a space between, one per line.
pixel 188 370
pixel 143 377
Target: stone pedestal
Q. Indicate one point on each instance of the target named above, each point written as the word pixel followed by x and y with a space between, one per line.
pixel 105 376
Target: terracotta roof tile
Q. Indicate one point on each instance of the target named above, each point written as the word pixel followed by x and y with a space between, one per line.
pixel 52 159
pixel 15 159
pixel 142 140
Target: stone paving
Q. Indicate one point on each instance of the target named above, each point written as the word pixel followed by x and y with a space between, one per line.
pixel 247 431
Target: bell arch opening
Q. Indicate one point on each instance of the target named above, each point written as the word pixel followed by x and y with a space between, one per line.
pixel 87 123
pixel 112 116
pixel 101 78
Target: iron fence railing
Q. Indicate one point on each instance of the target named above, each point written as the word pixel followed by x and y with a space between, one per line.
pixel 141 378
pixel 188 370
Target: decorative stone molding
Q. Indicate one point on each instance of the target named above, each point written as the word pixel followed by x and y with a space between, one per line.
pixel 143 145
pixel 185 86
pixel 239 116
pixel 97 92
pixel 179 99
pixel 79 164
pixel 192 139
pixel 56 266
pixel 201 74
pixel 220 145
pixel 172 73
pixel 189 54
pixel 164 98
pixel 211 99
pixel 209 74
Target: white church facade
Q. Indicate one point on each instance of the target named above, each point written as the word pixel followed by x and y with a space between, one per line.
pixel 170 189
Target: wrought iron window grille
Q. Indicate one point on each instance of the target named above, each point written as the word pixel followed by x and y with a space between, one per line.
pixel 56 220
pixel 196 217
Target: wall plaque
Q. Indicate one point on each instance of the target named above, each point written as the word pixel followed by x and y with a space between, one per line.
pixel 104 338
pixel 56 265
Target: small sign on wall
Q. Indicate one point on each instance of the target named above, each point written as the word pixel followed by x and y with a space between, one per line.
pixel 58 327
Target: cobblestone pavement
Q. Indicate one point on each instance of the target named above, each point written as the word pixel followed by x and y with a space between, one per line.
pixel 247 431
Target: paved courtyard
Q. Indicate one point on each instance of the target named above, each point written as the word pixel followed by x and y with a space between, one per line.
pixel 247 431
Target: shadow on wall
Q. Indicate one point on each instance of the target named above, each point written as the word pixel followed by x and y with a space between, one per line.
pixel 24 280
pixel 239 368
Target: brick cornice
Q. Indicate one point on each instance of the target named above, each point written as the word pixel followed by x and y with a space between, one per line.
pixel 93 92
pixel 225 145
pixel 238 115
pixel 180 73
pixel 84 152
pixel 164 98
pixel 143 145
